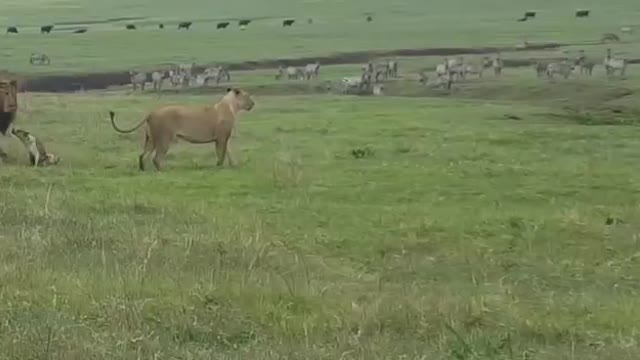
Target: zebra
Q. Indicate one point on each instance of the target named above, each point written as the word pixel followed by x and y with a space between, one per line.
pixel 138 78
pixel 294 73
pixel 473 69
pixel 456 67
pixel 563 68
pixel 312 70
pixel 157 78
pixel 39 59
pixel 541 67
pixel 497 65
pixel 442 69
pixel 393 68
pixel 359 82
pixel 586 66
pixel 444 80
pixel 218 73
pixel 612 64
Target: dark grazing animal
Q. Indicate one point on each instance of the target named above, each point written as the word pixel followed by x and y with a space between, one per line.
pixel 222 25
pixel 244 22
pixel 130 27
pixel 530 14
pixel 184 25
pixel 46 29
pixel 160 26
pixel 582 13
pixel 369 18
pixel 288 22
pixel 80 31
pixel 12 30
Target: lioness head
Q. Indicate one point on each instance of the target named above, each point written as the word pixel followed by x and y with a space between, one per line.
pixel 240 99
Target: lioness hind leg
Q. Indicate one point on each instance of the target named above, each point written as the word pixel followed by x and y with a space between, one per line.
pixel 158 159
pixel 162 148
pixel 147 150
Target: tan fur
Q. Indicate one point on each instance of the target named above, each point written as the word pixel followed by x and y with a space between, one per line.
pixel 38 155
pixel 8 109
pixel 8 95
pixel 194 124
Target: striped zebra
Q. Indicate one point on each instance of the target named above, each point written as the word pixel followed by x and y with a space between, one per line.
pixel 138 79
pixel 612 64
pixel 563 68
pixel 312 70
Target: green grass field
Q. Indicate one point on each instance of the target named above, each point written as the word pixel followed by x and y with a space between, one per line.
pixel 338 26
pixel 492 221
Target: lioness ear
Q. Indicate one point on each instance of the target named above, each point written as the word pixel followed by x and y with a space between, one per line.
pixel 236 91
pixel 228 89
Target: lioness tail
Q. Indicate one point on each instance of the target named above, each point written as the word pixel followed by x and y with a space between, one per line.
pixel 116 128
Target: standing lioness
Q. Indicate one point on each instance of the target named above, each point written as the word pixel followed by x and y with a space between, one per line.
pixel 195 124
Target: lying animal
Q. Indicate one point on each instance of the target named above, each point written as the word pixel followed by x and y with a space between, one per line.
pixel 356 82
pixel 194 124
pixel 561 68
pixel 38 155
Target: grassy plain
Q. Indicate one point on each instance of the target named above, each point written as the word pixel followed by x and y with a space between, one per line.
pixel 338 26
pixel 476 228
pixel 461 223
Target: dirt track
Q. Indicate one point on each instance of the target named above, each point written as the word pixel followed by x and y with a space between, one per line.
pixel 94 81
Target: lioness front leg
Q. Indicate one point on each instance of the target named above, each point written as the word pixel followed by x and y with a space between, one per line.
pixel 221 150
pixel 230 156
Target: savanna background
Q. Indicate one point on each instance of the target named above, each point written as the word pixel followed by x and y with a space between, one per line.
pixel 496 220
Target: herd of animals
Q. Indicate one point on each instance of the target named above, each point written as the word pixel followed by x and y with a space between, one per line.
pixel 165 125
pixel 452 70
pixel 214 124
pixel 180 75
pixel 373 75
pixel 184 25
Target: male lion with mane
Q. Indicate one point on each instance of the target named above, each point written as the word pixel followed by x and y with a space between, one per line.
pixel 194 124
